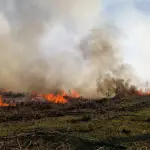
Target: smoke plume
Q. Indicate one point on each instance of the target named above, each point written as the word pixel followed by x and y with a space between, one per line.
pixel 132 17
pixel 57 44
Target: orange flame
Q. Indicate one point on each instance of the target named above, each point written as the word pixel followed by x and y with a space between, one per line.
pixel 55 98
pixel 4 90
pixel 2 104
pixel 59 98
pixel 74 94
pixel 141 92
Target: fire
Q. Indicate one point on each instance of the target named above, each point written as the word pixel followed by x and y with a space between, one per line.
pixel 50 97
pixel 54 98
pixel 2 104
pixel 4 90
pixel 58 98
pixel 74 94
pixel 141 92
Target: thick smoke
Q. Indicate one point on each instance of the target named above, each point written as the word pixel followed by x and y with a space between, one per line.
pixel 57 44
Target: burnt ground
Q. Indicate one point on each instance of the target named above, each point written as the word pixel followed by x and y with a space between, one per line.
pixel 110 123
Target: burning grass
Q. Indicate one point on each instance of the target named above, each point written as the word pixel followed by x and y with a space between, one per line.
pixel 85 120
pixel 35 97
pixel 90 123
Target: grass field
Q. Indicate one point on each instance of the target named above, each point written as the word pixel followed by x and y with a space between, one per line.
pixel 115 123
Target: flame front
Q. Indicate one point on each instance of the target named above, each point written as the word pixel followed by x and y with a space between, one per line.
pixel 74 94
pixel 55 98
pixel 2 104
pixel 141 92
pixel 59 98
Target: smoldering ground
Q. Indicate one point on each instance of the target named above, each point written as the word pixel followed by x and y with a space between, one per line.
pixel 52 45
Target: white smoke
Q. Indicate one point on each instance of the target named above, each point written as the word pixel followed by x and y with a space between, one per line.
pixel 4 25
pixel 135 26
pixel 57 44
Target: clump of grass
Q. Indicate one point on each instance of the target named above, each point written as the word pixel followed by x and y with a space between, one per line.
pixel 81 127
pixel 126 131
pixel 86 118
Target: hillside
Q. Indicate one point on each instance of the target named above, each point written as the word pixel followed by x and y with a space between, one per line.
pixel 114 123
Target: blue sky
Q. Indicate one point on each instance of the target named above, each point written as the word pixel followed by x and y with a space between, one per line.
pixel 132 17
pixel 113 6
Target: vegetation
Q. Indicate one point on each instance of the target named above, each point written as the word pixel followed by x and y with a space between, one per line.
pixel 77 125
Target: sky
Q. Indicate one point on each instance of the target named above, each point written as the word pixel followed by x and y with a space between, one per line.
pixel 132 18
